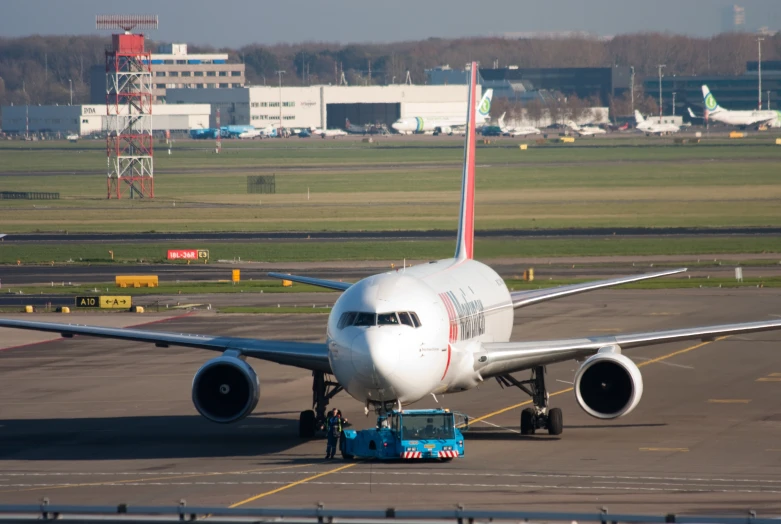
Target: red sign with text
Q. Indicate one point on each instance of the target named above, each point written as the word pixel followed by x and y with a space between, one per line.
pixel 182 254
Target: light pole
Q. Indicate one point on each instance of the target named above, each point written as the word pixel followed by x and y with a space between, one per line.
pixel 660 66
pixel 759 69
pixel 673 103
pixel 768 100
pixel 70 83
pixel 632 79
pixel 280 73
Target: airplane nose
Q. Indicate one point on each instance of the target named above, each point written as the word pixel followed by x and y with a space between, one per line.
pixel 375 354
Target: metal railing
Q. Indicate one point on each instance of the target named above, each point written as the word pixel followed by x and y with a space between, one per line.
pixel 125 514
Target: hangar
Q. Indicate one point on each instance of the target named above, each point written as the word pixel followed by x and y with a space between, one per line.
pixel 91 118
pixel 324 106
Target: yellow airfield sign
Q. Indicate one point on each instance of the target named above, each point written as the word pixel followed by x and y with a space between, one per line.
pixel 116 301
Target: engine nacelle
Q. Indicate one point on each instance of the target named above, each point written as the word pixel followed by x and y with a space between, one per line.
pixel 608 385
pixel 225 389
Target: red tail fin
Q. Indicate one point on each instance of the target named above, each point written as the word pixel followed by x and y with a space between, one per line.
pixel 466 219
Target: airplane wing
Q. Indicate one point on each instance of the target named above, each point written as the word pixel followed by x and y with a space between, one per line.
pixel 328 284
pixel 535 296
pixel 307 355
pixel 506 357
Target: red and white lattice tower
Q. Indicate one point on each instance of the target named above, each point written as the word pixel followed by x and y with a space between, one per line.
pixel 129 142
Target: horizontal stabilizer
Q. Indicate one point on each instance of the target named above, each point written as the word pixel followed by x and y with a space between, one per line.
pixel 319 282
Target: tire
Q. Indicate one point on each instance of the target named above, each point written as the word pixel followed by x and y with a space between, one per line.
pixel 527 421
pixel 306 424
pixel 555 422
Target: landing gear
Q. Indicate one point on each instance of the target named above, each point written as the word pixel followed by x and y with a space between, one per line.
pixel 311 420
pixel 540 416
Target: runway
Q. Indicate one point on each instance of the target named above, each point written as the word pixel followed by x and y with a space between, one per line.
pixel 88 421
pixel 246 236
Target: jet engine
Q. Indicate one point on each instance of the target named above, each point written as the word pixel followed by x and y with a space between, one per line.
pixel 225 389
pixel 608 385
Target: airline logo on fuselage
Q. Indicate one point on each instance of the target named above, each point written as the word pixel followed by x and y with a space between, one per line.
pixel 467 317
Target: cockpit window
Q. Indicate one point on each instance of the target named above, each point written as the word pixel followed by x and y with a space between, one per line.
pixel 357 318
pixel 346 319
pixel 365 319
pixel 387 319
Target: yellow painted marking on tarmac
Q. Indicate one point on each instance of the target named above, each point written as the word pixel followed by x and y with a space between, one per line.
pixel 169 477
pixel 769 379
pixel 291 485
pixel 604 330
pixel 562 391
pixel 729 400
pixel 679 450
pixel 774 375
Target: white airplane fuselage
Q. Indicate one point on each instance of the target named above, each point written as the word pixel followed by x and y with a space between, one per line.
pixel 743 118
pixel 460 303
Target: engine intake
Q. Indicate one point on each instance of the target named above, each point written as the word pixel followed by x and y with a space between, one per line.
pixel 608 385
pixel 225 389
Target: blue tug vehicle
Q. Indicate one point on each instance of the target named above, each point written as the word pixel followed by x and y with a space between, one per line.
pixel 410 434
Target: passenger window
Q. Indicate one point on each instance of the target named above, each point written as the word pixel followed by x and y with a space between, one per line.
pixel 415 319
pixel 405 319
pixel 387 319
pixel 365 319
pixel 346 319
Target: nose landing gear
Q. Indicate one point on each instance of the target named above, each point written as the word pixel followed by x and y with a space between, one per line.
pixel 539 416
pixel 312 420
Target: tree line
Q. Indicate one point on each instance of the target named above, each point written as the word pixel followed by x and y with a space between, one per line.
pixel 42 69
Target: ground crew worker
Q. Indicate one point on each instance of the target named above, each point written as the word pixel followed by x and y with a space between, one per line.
pixel 333 431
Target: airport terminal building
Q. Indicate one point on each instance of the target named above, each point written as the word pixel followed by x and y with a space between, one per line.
pixel 89 119
pixel 325 106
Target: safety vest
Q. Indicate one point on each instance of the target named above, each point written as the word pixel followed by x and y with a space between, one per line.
pixel 335 423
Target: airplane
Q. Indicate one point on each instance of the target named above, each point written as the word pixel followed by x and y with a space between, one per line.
pixel 444 327
pixel 516 131
pixel 585 130
pixel 446 125
pixel 738 118
pixel 650 127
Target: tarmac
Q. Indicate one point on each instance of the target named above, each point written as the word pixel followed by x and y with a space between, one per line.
pixel 90 421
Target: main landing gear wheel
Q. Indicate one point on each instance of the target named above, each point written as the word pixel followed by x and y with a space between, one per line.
pixel 540 416
pixel 555 421
pixel 307 424
pixel 527 422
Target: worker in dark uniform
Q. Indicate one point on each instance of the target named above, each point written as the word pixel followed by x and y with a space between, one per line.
pixel 333 430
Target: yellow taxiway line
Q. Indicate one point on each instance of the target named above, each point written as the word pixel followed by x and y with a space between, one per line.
pixel 291 485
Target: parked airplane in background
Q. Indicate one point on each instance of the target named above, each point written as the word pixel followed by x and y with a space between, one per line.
pixel 444 327
pixel 447 126
pixel 585 130
pixel 650 127
pixel 516 131
pixel 738 118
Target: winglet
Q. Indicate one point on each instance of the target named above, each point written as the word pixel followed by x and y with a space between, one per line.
pixel 466 219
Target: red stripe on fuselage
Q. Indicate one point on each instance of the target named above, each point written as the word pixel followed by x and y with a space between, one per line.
pixel 447 366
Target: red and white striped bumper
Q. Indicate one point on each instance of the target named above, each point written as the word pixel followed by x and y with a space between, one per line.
pixel 411 454
pixel 448 454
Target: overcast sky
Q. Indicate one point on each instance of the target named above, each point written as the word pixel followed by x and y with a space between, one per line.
pixel 238 22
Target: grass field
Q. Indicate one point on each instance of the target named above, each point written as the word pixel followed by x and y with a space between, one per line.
pixel 400 184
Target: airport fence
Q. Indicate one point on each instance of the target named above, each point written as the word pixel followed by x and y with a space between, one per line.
pixel 130 514
pixel 28 195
